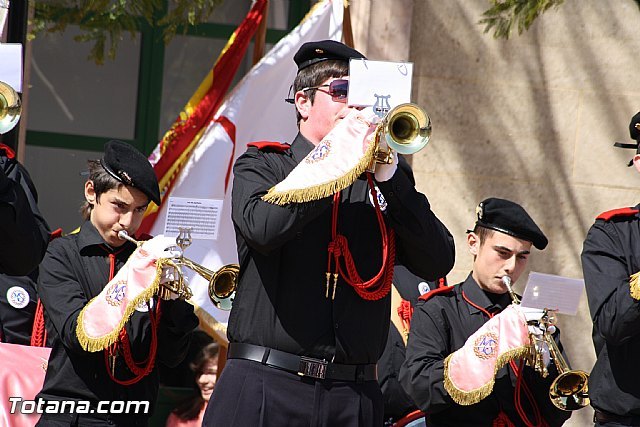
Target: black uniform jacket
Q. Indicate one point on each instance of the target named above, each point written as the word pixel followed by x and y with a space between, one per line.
pixel 611 254
pixel 75 270
pixel 439 327
pixel 24 234
pixel 18 301
pixel 280 302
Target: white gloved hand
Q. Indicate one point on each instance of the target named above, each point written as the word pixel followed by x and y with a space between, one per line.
pixel 535 330
pixel 383 171
pixel 532 314
pixel 162 247
pixel 169 275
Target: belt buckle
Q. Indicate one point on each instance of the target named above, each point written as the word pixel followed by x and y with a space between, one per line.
pixel 314 368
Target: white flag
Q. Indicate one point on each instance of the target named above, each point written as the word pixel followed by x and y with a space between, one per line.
pixel 254 111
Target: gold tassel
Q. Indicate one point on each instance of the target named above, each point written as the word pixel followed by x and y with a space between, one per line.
pixel 465 398
pixel 321 191
pixel 634 286
pixel 92 344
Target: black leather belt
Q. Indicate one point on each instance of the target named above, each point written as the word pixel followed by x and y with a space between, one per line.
pixel 605 417
pixel 302 365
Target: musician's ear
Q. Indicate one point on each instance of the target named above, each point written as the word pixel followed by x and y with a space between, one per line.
pixel 89 192
pixel 473 241
pixel 303 104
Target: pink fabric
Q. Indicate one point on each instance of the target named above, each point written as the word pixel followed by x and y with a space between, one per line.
pixel 22 370
pixel 339 152
pixel 174 421
pixel 475 364
pixel 103 314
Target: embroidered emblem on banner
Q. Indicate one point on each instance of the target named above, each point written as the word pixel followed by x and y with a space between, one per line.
pixel 319 153
pixel 116 293
pixel 486 345
pixel 381 201
pixel 18 297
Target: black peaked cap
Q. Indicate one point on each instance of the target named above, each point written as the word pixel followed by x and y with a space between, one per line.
pixel 634 132
pixel 313 52
pixel 129 166
pixel 510 218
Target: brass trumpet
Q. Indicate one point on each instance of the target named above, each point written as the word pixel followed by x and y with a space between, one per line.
pixel 222 282
pixel 406 129
pixel 10 108
pixel 570 390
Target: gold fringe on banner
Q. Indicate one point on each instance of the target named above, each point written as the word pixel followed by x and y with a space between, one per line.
pixel 465 398
pixel 327 189
pixel 634 286
pixel 96 344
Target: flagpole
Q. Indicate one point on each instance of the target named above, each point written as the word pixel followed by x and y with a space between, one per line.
pixel 347 30
pixel 260 37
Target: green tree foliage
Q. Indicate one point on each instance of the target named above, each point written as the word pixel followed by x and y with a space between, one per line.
pixel 104 22
pixel 506 14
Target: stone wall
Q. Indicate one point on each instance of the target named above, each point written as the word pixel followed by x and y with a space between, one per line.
pixel 532 119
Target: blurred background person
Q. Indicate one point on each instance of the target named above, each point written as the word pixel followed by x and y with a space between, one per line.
pixel 205 369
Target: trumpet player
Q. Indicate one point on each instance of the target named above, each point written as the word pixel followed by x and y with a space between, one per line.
pixel 89 284
pixel 610 263
pixel 306 330
pixel 452 368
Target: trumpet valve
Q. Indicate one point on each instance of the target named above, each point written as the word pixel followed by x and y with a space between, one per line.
pixel 384 157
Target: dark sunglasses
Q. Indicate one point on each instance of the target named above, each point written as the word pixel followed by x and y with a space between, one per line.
pixel 338 89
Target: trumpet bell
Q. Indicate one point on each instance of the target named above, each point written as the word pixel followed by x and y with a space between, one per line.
pixel 222 286
pixel 569 391
pixel 407 128
pixel 10 108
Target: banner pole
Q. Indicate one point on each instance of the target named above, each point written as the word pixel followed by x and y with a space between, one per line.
pixel 260 37
pixel 347 30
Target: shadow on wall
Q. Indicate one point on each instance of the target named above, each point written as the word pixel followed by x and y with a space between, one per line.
pixel 531 119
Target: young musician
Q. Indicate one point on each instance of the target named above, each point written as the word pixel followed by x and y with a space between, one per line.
pixel 610 262
pixel 303 351
pixel 85 279
pixel 456 327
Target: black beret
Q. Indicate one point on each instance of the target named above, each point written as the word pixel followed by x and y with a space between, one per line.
pixel 129 166
pixel 510 218
pixel 314 52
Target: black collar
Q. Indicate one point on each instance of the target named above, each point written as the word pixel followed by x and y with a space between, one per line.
pixel 300 147
pixel 89 237
pixel 474 293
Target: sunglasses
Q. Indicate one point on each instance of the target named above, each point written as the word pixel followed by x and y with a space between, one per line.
pixel 338 89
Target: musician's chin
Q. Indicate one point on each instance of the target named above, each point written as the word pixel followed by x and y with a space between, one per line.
pixel 115 240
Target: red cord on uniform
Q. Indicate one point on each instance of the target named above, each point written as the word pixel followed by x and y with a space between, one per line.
pixel 139 369
pixel 38 331
pixel 405 312
pixel 378 286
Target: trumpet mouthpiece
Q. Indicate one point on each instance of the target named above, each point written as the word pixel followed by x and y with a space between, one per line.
pixel 506 280
pixel 123 234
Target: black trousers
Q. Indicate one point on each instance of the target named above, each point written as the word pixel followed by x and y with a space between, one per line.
pixel 251 394
pixel 89 420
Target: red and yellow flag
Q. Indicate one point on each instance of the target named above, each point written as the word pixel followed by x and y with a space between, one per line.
pixel 175 147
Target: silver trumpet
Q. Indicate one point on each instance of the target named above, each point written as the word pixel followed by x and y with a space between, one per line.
pixel 570 390
pixel 222 282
